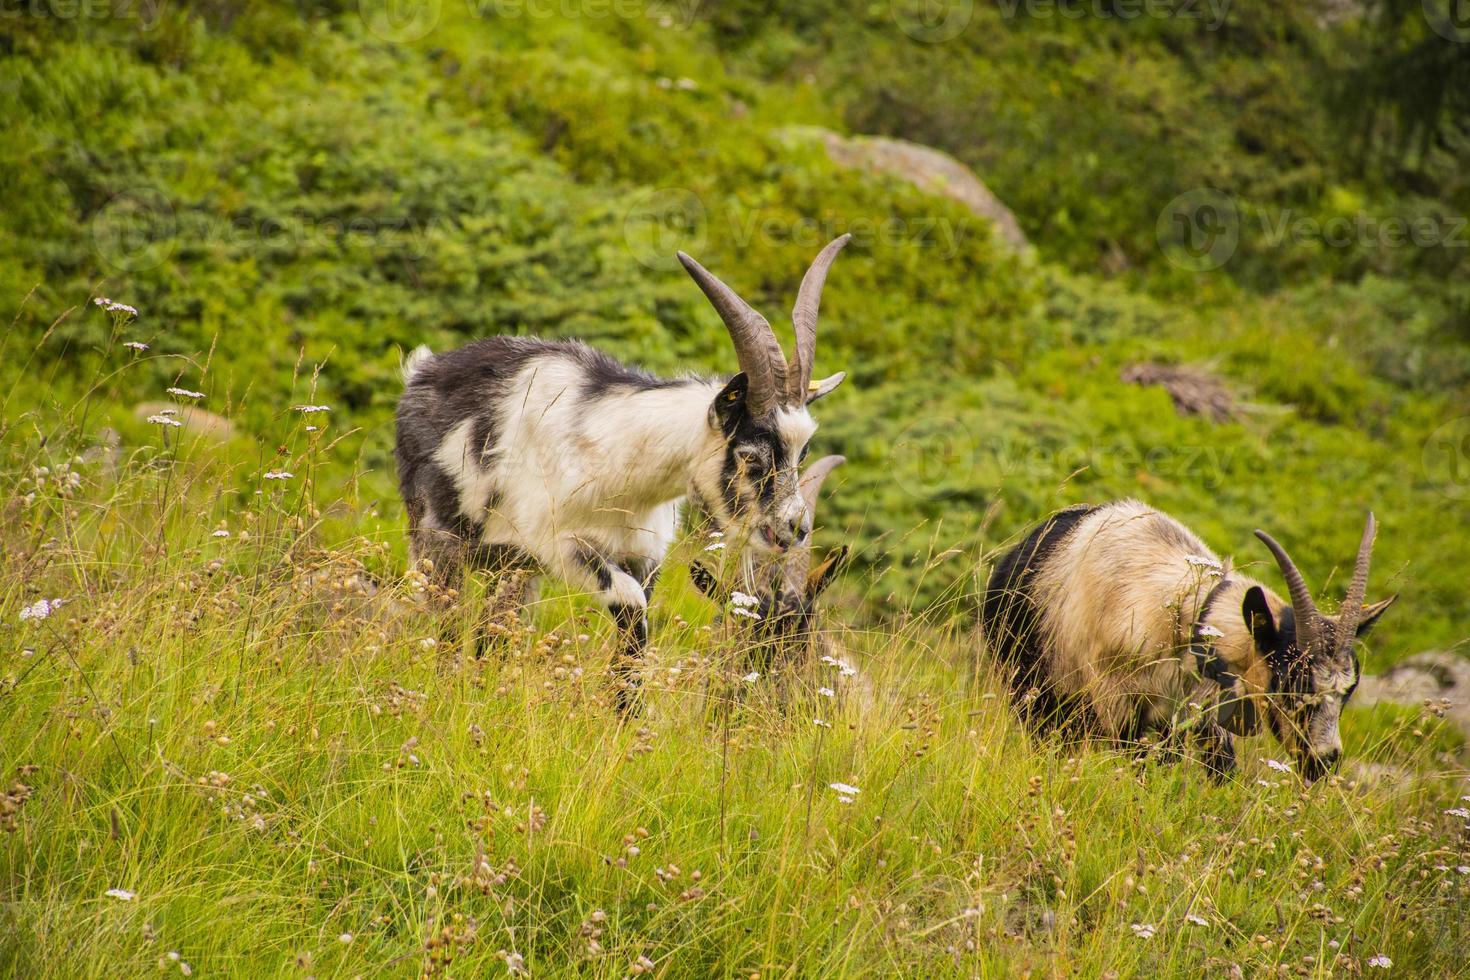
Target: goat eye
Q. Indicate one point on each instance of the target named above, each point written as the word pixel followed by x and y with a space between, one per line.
pixel 801 458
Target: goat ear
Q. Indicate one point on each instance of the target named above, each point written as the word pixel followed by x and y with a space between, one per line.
pixel 729 404
pixel 705 581
pixel 1259 621
pixel 1371 612
pixel 824 387
pixel 821 576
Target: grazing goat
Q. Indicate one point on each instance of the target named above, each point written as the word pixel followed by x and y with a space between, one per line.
pixel 779 608
pixel 517 452
pixel 1119 621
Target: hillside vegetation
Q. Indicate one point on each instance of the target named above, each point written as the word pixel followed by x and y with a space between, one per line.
pixel 241 714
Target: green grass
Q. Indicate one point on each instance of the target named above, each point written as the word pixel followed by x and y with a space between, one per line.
pixel 291 200
pixel 292 778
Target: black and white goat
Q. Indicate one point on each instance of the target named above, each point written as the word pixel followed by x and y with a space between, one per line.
pixel 777 601
pixel 553 455
pixel 1117 620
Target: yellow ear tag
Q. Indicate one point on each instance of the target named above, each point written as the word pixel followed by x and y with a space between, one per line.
pixel 814 385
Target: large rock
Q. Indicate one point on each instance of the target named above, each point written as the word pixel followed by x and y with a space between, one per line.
pixel 927 168
pixel 1434 677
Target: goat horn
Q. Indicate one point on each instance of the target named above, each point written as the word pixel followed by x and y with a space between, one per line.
pixel 799 562
pixel 1307 617
pixel 804 319
pixel 1352 606
pixel 761 357
pixel 811 480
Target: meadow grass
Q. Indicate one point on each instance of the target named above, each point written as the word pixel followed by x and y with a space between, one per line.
pixel 245 743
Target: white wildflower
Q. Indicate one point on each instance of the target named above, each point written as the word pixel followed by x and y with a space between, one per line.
pixel 1143 930
pixel 184 393
pixel 136 345
pixel 40 609
pixel 714 547
pixel 738 598
pixel 1197 920
pixel 121 894
pixel 345 938
pixel 121 308
pixel 311 428
pixel 752 677
pixel 737 611
pixel 313 409
pixel 1464 869
pixel 1279 766
pixel 101 301
pixel 1208 630
pixel 221 533
pixel 843 667
pixel 846 789
pixel 1381 962
pixel 826 692
pixel 1458 811
pixel 279 475
pixel 165 420
pixel 1203 561
pixel 821 724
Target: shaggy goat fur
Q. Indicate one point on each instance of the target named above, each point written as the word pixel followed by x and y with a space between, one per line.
pixel 1118 621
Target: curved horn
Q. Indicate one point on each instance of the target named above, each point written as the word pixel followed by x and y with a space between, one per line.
pixel 811 480
pixel 804 319
pixel 1352 606
pixel 1307 617
pixel 761 357
pixel 799 562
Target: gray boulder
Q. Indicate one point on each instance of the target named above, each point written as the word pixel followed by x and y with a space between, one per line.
pixel 928 169
pixel 1440 678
